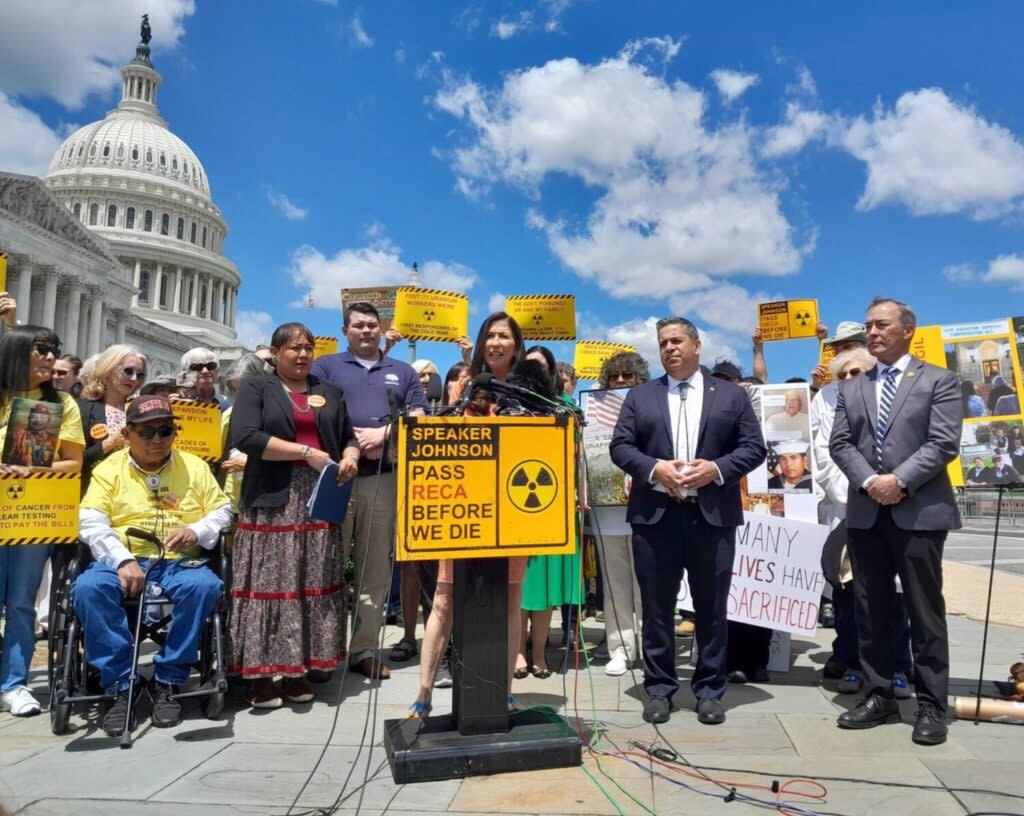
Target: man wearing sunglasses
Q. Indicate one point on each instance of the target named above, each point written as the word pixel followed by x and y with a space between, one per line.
pixel 173 495
pixel 201 365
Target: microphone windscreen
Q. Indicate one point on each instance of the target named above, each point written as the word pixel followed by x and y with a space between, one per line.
pixel 483 379
pixel 435 389
pixel 532 376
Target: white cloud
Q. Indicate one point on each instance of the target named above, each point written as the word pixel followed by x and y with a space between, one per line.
pixel 733 84
pixel 399 55
pixel 290 210
pixel 378 264
pixel 679 204
pixel 28 143
pixel 254 328
pixel 960 273
pixel 496 303
pixel 358 32
pixel 508 27
pixel 469 19
pixel 68 49
pixel 935 156
pixel 1006 269
pixel 726 306
pixel 800 127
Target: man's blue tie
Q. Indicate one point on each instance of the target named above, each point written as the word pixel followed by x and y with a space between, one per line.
pixel 888 395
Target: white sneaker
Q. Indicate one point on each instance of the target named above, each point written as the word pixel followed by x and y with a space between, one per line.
pixel 618 665
pixel 20 702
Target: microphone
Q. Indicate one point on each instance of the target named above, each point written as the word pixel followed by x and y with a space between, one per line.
pixel 392 405
pixel 435 390
pixel 512 393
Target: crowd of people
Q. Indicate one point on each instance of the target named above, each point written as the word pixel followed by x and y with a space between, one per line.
pixel 307 595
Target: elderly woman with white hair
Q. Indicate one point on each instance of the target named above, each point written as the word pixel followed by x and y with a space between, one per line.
pixel 202 363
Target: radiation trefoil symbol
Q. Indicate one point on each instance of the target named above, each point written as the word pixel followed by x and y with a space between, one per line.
pixel 803 318
pixel 15 491
pixel 532 486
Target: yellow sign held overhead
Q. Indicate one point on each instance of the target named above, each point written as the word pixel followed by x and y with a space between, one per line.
pixel 41 508
pixel 382 298
pixel 828 354
pixel 3 271
pixel 787 319
pixel 591 354
pixel 199 430
pixel 544 317
pixel 324 345
pixel 485 487
pixel 431 314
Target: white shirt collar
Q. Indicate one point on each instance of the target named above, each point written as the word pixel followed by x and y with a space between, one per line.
pixel 900 365
pixel 696 381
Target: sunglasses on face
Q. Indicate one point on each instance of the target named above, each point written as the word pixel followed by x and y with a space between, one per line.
pixel 45 349
pixel 850 372
pixel 147 433
pixel 200 366
pixel 137 373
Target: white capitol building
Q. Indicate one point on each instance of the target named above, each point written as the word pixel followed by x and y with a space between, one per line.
pixel 121 241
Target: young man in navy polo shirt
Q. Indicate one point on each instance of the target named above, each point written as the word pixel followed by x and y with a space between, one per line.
pixel 365 375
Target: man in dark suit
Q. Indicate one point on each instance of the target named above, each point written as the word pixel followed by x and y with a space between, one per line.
pixel 686 439
pixel 896 429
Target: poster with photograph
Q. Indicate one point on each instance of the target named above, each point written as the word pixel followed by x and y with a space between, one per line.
pixel 32 433
pixel 606 484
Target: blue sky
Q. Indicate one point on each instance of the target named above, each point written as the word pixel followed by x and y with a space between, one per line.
pixel 648 157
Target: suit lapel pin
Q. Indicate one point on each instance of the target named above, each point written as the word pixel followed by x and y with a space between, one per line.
pixel 712 388
pixel 911 373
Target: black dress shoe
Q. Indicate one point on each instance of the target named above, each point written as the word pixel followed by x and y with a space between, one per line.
pixel 871 711
pixel 834 669
pixel 737 676
pixel 930 728
pixel 657 709
pixel 710 712
pixel 761 676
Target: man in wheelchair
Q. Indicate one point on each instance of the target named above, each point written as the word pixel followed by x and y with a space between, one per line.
pixel 173 495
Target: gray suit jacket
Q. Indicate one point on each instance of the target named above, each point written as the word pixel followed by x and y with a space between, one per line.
pixel 923 436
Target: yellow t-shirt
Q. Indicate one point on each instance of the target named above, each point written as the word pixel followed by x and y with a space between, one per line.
pixel 187 493
pixel 70 423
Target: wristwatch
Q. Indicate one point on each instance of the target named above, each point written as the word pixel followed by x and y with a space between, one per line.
pixel 902 484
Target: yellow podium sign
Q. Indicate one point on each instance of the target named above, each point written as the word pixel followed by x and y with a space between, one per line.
pixel 591 354
pixel 199 430
pixel 431 314
pixel 485 487
pixel 544 317
pixel 787 319
pixel 41 508
pixel 324 345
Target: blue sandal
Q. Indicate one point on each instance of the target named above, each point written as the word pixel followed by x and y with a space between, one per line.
pixel 419 710
pixel 513 703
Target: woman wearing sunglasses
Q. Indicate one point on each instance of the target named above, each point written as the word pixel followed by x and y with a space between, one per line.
pixel 27 355
pixel 114 376
pixel 201 364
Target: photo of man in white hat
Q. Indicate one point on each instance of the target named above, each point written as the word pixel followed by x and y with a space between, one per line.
pixel 794 467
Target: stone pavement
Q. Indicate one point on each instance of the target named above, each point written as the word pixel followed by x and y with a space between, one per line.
pixel 255 762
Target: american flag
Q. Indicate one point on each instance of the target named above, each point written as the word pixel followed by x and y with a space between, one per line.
pixel 603 407
pixel 310 303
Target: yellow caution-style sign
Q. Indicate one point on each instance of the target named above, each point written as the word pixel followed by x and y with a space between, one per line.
pixel 199 430
pixel 431 314
pixel 826 356
pixel 41 508
pixel 787 319
pixel 324 345
pixel 544 317
pixel 479 487
pixel 591 354
pixel 3 271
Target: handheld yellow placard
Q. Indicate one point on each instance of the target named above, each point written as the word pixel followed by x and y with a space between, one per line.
pixel 431 314
pixel 591 354
pixel 787 319
pixel 485 487
pixel 929 347
pixel 3 271
pixel 827 355
pixel 544 317
pixel 41 508
pixel 199 429
pixel 324 345
pixel 381 298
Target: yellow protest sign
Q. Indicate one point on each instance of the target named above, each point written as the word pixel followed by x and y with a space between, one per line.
pixel 324 345
pixel 826 356
pixel 431 314
pixel 927 345
pixel 41 508
pixel 787 319
pixel 480 487
pixel 381 298
pixel 591 354
pixel 199 430
pixel 3 271
pixel 544 317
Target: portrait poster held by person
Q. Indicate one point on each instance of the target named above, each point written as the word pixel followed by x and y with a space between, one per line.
pixel 288 598
pixel 27 356
pixel 686 439
pixel 499 347
pixel 172 494
pixel 374 385
pixel 115 374
pixel 896 429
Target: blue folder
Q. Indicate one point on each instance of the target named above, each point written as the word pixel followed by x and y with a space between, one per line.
pixel 329 501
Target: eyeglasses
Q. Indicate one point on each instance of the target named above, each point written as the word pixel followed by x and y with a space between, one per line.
pixel 147 433
pixel 850 372
pixel 137 373
pixel 45 349
pixel 211 366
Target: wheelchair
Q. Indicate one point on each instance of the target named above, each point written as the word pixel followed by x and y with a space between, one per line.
pixel 73 681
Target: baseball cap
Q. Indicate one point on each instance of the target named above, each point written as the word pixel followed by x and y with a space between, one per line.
pixel 848 331
pixel 148 409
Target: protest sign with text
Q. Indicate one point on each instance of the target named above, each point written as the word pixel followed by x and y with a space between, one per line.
pixel 41 508
pixel 324 345
pixel 591 354
pixel 544 317
pixel 199 430
pixel 431 314
pixel 787 319
pixel 381 298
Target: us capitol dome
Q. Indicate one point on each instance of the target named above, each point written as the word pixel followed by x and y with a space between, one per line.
pixel 143 197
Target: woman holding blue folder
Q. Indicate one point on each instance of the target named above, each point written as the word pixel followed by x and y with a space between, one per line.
pixel 288 597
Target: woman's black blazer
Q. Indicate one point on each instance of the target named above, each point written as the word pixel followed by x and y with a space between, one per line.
pixel 262 410
pixel 94 413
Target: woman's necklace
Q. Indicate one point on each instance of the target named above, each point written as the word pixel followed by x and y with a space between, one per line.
pixel 301 410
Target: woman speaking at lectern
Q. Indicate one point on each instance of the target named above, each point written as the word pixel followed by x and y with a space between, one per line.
pixel 499 346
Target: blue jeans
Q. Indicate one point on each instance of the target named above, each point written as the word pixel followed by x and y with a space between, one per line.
pixel 97 596
pixel 21 569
